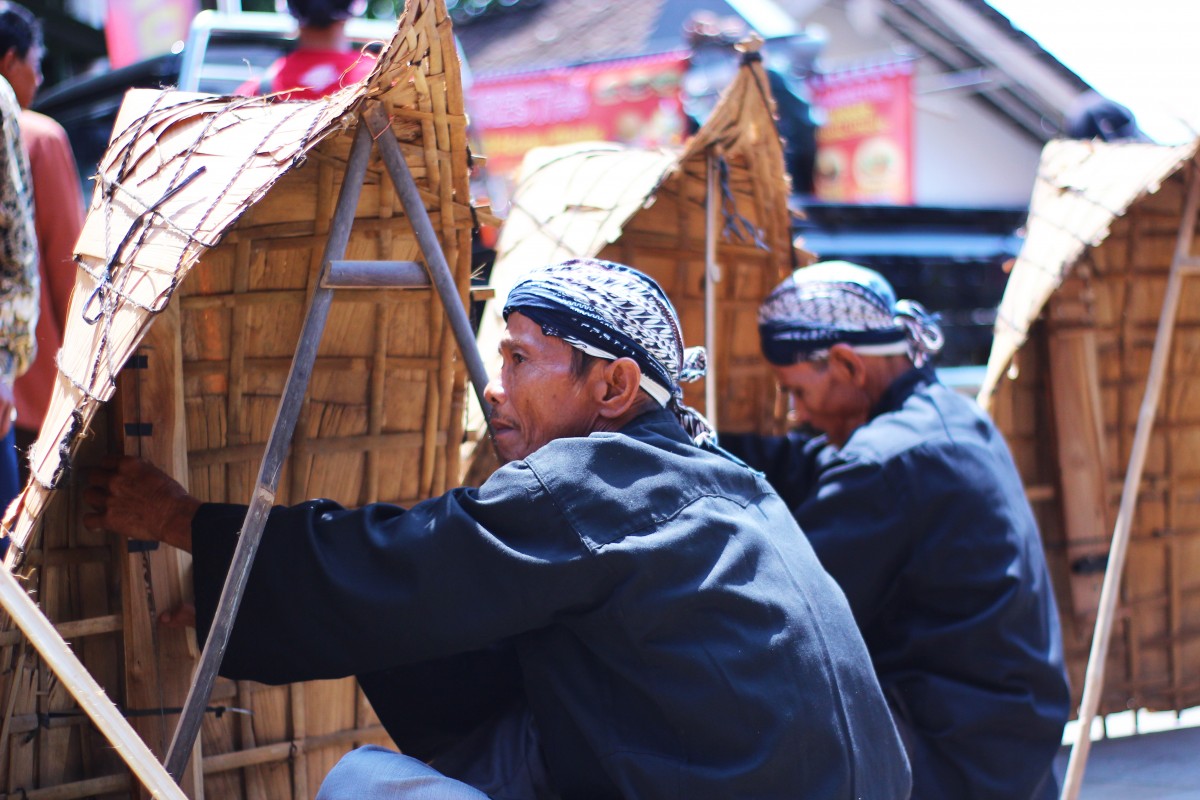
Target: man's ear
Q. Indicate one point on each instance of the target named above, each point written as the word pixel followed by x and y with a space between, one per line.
pixel 622 385
pixel 848 364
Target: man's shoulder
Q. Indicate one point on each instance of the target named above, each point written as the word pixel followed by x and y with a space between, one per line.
pixel 37 124
pixel 630 453
pixel 932 419
pixel 46 141
pixel 614 484
pixel 8 100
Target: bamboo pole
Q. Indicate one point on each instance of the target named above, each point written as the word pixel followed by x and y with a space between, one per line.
pixel 712 276
pixel 1093 684
pixel 439 271
pixel 85 690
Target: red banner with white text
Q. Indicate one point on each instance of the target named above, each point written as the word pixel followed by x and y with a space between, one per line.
pixel 864 145
pixel 631 101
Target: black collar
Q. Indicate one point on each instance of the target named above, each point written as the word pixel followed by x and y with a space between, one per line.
pixel 901 388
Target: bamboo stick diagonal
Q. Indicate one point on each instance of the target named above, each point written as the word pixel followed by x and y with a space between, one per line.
pixel 1110 590
pixel 83 687
pixel 439 271
pixel 272 464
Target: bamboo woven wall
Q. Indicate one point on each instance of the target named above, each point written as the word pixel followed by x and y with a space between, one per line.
pixel 1070 414
pixel 198 397
pixel 754 251
pixel 666 240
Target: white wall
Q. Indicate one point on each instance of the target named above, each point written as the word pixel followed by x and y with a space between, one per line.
pixel 965 153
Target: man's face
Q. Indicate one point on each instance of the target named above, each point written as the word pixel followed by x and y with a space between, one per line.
pixel 537 397
pixel 825 398
pixel 23 74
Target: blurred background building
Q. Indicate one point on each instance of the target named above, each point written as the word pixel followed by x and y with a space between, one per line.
pixel 913 127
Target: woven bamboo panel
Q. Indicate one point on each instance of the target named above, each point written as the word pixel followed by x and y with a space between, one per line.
pixel 200 298
pixel 648 209
pixel 1069 409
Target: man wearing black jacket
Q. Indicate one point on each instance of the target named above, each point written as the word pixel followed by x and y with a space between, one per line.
pixel 912 502
pixel 668 629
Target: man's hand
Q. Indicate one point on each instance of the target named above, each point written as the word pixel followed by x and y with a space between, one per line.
pixel 135 499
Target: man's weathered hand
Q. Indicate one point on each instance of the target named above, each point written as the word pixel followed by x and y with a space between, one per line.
pixel 133 498
pixel 182 616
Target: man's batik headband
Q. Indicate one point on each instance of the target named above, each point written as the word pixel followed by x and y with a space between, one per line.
pixel 836 302
pixel 612 311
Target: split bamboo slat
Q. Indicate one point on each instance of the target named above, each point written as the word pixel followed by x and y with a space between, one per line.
pixel 1076 331
pixel 196 264
pixel 650 209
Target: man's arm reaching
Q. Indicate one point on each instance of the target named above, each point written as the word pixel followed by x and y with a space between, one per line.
pixel 135 499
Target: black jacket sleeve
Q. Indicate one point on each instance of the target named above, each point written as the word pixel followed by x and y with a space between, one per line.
pixel 432 704
pixel 424 706
pixel 336 592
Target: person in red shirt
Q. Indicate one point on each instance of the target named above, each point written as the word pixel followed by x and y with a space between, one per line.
pixel 323 60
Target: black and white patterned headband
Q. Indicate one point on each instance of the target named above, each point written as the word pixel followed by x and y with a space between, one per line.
pixel 612 311
pixel 836 302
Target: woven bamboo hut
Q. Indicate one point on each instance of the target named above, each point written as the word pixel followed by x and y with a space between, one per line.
pixel 710 223
pixel 201 252
pixel 1093 380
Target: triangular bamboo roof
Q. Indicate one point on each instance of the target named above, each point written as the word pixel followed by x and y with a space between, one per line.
pixel 205 236
pixel 1081 188
pixel 182 172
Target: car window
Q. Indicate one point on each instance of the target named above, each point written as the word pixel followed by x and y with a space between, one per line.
pixel 231 60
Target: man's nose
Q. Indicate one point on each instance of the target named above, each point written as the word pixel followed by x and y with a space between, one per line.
pixel 494 391
pixel 797 413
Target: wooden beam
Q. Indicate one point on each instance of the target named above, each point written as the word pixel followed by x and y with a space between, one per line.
pixel 1082 462
pixel 158 660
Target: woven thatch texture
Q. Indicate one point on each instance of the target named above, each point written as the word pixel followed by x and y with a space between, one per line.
pixel 666 239
pixel 1069 410
pixel 224 267
pixel 648 209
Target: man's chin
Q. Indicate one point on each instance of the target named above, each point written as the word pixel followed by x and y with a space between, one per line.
pixel 807 430
pixel 506 449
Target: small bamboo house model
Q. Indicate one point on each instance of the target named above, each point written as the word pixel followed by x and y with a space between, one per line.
pixel 211 222
pixel 711 224
pixel 1094 380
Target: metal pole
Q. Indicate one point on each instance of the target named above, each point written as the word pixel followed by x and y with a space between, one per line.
pixel 1094 677
pixel 712 276
pixel 83 687
pixel 272 463
pixel 435 260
